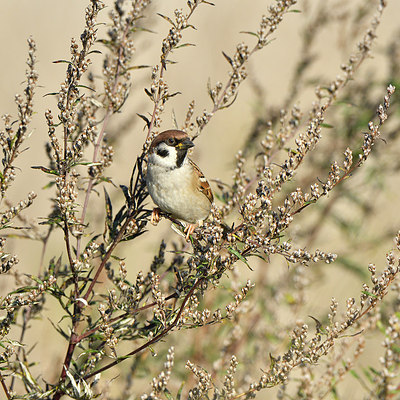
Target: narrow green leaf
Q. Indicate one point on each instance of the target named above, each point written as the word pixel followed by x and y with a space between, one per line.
pixel 23 289
pixel 239 256
pixel 220 198
pixel 374 371
pixel 109 213
pixel 179 394
pixel 95 52
pixel 126 193
pixel 144 118
pixel 172 95
pixel 147 91
pixel 250 33
pixel 62 62
pixel 28 378
pixel 138 67
pixel 369 294
pixel 85 87
pixel 368 375
pixel 354 373
pixel 230 61
pixel 139 29
pixel 167 19
pixel 381 327
pixel 51 94
pixel 46 170
pixel 185 45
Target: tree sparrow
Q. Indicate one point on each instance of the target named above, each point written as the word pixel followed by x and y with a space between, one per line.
pixel 175 182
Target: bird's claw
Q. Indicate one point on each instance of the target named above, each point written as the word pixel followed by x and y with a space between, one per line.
pixel 189 230
pixel 155 216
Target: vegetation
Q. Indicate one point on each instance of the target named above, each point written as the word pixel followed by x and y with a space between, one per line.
pixel 222 316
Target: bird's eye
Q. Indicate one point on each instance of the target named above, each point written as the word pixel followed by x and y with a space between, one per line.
pixel 171 141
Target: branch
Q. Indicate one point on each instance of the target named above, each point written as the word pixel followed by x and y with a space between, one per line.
pixel 3 384
pixel 155 339
pixel 169 44
pixel 135 311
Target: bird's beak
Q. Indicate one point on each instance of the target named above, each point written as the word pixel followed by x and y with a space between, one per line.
pixel 185 144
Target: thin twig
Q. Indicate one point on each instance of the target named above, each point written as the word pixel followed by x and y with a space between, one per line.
pixel 330 339
pixel 107 256
pixel 109 112
pixel 3 384
pixel 155 339
pixel 126 315
pixel 26 317
pixel 162 67
pixel 91 180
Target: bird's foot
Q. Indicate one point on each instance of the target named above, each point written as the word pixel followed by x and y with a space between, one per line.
pixel 189 230
pixel 155 216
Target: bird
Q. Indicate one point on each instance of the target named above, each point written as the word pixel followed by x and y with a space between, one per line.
pixel 175 183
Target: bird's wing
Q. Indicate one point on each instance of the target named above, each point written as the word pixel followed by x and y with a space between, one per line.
pixel 201 182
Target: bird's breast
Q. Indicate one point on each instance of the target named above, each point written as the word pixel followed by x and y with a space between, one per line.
pixel 172 191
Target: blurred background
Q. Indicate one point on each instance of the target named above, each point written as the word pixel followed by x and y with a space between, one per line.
pixel 52 24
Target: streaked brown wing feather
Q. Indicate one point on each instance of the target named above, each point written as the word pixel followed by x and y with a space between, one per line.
pixel 202 185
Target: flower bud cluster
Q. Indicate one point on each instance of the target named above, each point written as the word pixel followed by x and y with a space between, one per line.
pixel 8 215
pixel 270 22
pixel 12 303
pixel 67 196
pixel 204 382
pixel 159 384
pixel 233 307
pixel 11 138
pixel 159 298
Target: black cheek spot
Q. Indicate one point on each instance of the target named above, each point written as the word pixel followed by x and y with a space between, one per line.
pixel 180 157
pixel 162 152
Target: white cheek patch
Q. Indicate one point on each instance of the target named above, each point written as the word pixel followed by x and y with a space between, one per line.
pixel 164 156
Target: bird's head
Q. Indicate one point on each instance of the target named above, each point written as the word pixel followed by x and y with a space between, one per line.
pixel 169 149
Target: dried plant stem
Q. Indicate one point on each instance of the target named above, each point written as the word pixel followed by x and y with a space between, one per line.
pixel 115 319
pixel 109 112
pixel 190 285
pixel 68 244
pixel 329 342
pixel 26 318
pixel 70 259
pixel 224 97
pixel 107 256
pixel 92 180
pixel 74 338
pixel 25 109
pixel 45 241
pixel 107 117
pixel 4 386
pixel 156 105
pixel 155 339
pixel 162 67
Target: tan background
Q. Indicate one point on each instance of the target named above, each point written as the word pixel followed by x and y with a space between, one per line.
pixel 52 24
